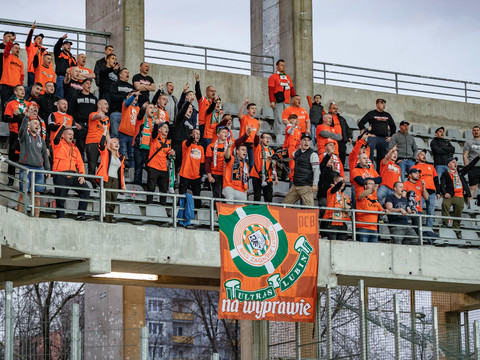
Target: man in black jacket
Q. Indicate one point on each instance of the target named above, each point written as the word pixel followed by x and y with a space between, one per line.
pixel 63 60
pixel 455 191
pixel 337 120
pixel 442 150
pixel 119 91
pixel 382 127
pixel 48 101
pixel 102 63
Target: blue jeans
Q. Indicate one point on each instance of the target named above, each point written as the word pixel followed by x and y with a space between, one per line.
pixel 379 143
pixel 313 128
pixel 251 160
pixel 368 236
pixel 140 156
pixel 39 179
pixel 206 142
pixel 60 79
pixel 126 148
pixel 115 118
pixel 382 192
pixel 440 169
pixel 430 208
pixel 405 165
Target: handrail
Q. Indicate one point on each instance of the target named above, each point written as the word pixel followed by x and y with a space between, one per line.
pixel 326 73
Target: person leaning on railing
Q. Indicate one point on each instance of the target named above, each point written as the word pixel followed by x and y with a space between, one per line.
pixel 33 155
pixel 455 191
pixel 67 160
pixel 111 169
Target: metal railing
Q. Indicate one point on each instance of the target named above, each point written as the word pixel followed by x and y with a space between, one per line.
pixel 84 40
pixel 208 58
pixel 132 207
pixel 395 82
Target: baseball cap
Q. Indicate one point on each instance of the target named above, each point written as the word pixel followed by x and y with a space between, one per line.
pixel 381 100
pixel 403 122
pixel 330 141
pixel 305 135
pixel 162 123
pixel 421 150
pixel 414 170
pixel 451 159
pixel 67 42
pixel 41 35
pixel 440 128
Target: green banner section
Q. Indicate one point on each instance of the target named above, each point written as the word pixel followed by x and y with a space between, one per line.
pixel 233 287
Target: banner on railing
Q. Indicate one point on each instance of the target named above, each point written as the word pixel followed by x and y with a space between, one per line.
pixel 269 263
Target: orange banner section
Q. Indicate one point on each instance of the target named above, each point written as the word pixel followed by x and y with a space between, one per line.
pixel 269 263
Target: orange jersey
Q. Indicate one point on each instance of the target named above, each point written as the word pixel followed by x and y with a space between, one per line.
pixel 390 173
pixel 428 173
pixel 218 159
pixel 353 157
pixel 95 128
pixel 12 68
pixel 302 116
pixel 336 125
pixel 10 109
pixel 31 50
pixel 159 160
pixel 414 194
pixel 457 183
pixel 211 122
pixel 363 173
pixel 235 174
pixel 246 121
pixel 321 141
pixel 369 203
pixel 58 116
pixel 43 75
pixel 292 140
pixel 340 201
pixel 337 165
pixel 203 105
pixel 280 83
pixel 192 157
pixel 161 115
pixel 128 122
pixel 262 156
pixel 85 71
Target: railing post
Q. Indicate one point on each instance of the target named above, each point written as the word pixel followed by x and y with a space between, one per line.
pixel 319 327
pixel 212 215
pixel 8 321
pixel 396 307
pixel 466 92
pixel 476 339
pixel 436 352
pixel 354 230
pixel 413 322
pixel 25 190
pixel 324 73
pixel 328 306
pixel 174 211
pixel 78 43
pixel 206 62
pixel 144 343
pixel 102 201
pixel 74 333
pixel 420 228
pixel 363 323
pixel 466 324
pixel 298 349
pixel 396 83
pixel 32 192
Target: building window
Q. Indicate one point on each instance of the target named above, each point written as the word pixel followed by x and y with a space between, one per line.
pixel 177 330
pixel 155 328
pixel 155 352
pixel 155 305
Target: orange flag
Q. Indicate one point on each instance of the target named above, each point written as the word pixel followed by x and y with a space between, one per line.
pixel 269 263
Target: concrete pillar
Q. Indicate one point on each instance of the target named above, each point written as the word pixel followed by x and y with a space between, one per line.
pixel 126 21
pixel 283 29
pixel 253 339
pixel 133 320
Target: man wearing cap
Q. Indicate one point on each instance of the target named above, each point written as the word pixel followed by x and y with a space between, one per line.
pixel 33 48
pixel 406 148
pixel 416 190
pixel 471 150
pixel 307 173
pixel 455 191
pixel 442 150
pixel 428 174
pixel 382 126
pixel 63 60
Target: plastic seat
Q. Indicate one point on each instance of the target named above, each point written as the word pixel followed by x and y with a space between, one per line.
pixel 469 235
pixel 281 189
pixel 447 233
pixel 454 134
pixel 458 148
pixel 235 133
pixel 236 124
pixel 230 108
pixel 265 127
pixel 4 129
pixel 267 113
pixel 419 130
pixel 130 209
pixel 467 135
pixel 279 140
pixel 156 211
pixel 429 157
pixel 420 143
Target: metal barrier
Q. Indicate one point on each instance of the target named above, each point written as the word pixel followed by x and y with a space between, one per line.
pixel 397 82
pixel 208 58
pixel 85 40
pixel 133 207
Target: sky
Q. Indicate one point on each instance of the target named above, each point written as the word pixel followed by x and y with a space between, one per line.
pixel 426 37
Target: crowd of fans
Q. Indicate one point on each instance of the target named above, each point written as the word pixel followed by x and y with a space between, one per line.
pixel 56 123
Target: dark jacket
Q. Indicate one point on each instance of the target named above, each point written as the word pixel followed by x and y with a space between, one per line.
pixel 99 66
pixel 63 59
pixel 326 177
pixel 382 123
pixel 316 114
pixel 194 116
pixel 119 91
pixel 182 126
pixel 442 150
pixel 446 183
pixel 47 105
